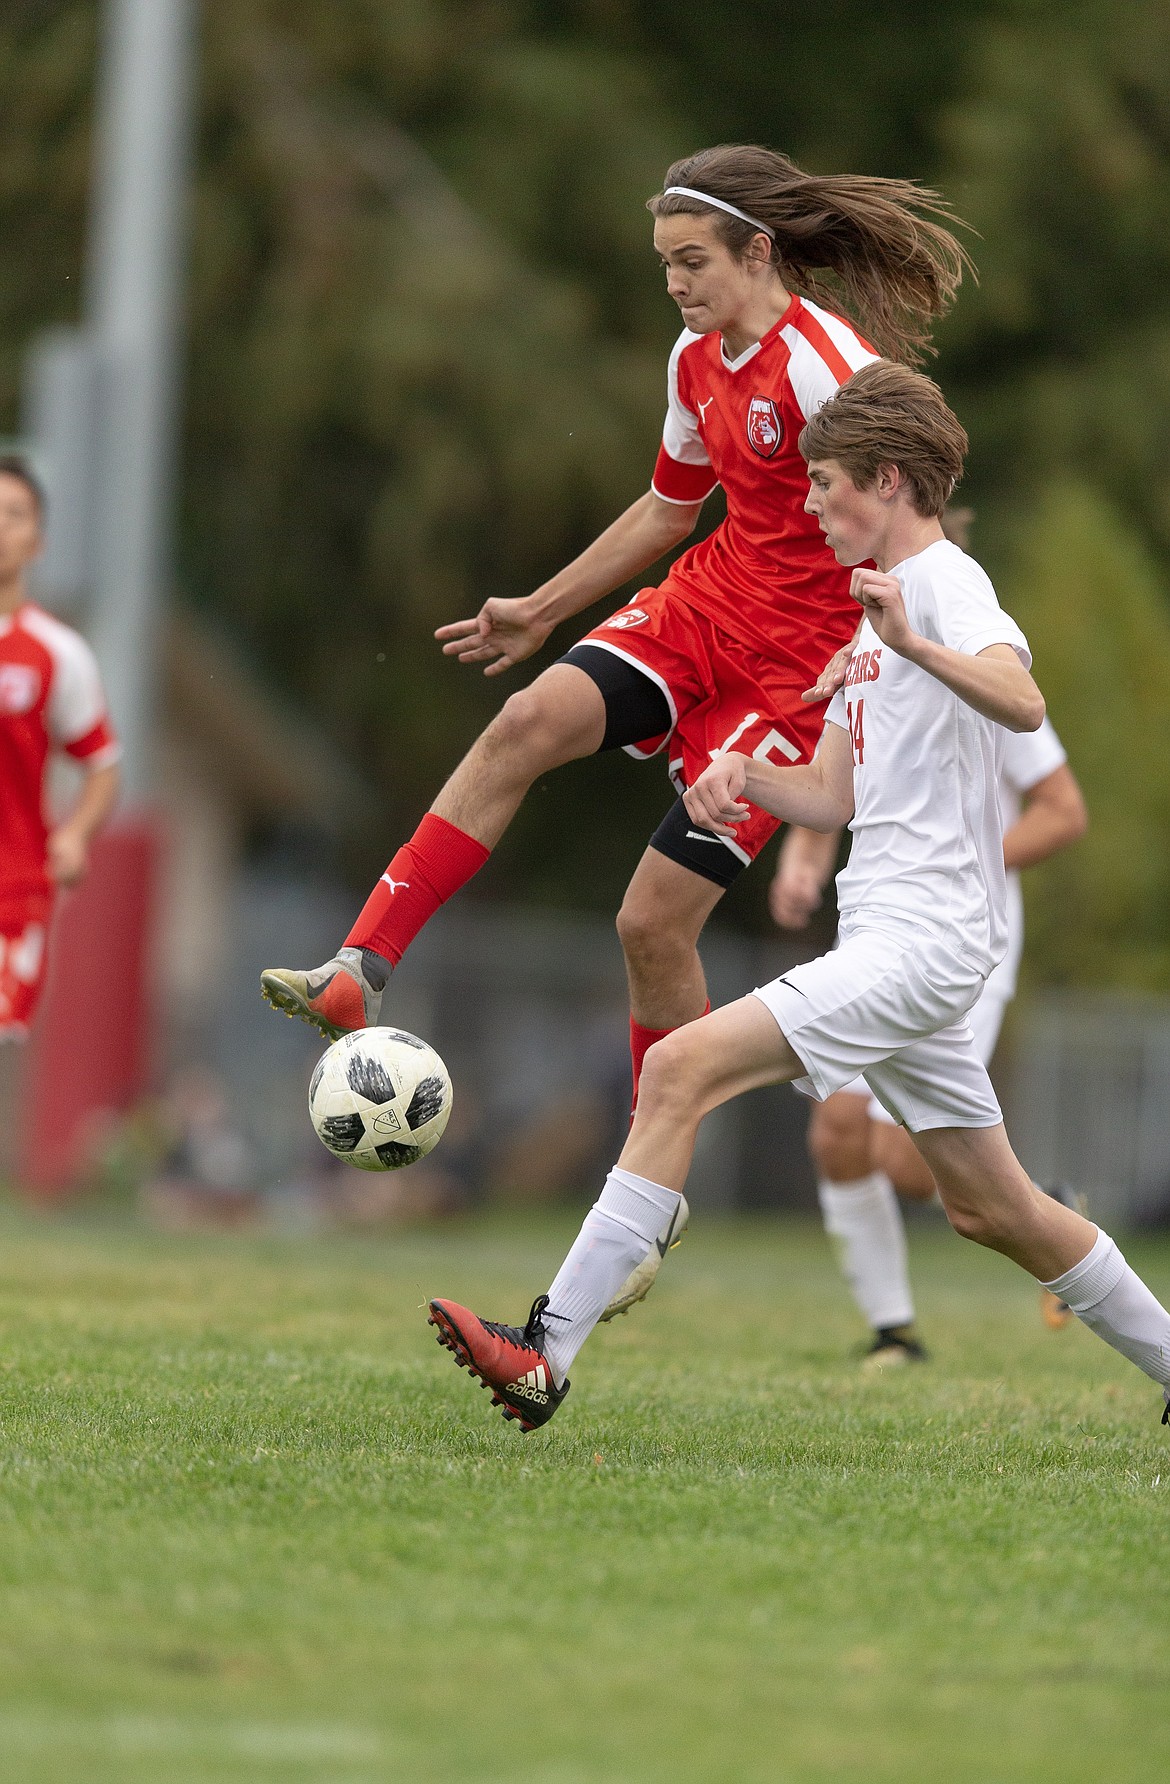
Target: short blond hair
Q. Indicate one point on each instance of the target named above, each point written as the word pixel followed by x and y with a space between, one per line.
pixel 888 415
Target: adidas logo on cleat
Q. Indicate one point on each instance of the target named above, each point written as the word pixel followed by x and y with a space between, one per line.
pixel 529 1388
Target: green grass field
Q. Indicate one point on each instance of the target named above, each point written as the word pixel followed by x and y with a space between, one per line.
pixel 257 1526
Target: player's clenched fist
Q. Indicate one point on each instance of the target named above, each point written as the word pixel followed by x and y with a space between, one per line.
pixel 795 894
pixel 67 855
pixel 714 801
pixel 881 597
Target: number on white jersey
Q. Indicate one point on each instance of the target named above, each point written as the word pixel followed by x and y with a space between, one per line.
pixel 855 715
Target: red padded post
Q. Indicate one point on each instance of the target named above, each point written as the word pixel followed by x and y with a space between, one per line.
pixel 91 1049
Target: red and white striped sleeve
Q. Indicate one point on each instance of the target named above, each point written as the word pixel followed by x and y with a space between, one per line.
pixel 683 472
pixel 824 350
pixel 76 717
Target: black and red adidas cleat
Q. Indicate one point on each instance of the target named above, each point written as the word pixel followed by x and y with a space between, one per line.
pixel 507 1359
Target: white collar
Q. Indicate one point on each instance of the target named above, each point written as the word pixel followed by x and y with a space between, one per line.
pixel 735 365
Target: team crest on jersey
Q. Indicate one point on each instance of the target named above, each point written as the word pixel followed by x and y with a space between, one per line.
pixel 765 430
pixel 20 684
pixel 633 616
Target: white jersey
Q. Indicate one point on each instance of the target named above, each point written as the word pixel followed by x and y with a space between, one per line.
pixel 927 831
pixel 1029 757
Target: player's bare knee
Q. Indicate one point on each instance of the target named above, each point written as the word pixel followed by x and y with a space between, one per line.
pixel 674 1073
pixel 650 942
pixel 970 1221
pixel 838 1138
pixel 529 732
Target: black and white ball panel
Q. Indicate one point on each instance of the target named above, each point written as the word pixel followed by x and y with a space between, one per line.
pixel 380 1098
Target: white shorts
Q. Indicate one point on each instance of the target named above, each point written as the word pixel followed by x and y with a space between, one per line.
pixel 985 1018
pixel 891 1007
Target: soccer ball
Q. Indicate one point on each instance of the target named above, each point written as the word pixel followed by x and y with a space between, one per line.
pixel 379 1098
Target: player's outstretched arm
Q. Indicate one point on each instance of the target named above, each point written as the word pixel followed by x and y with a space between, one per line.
pixel 68 844
pixel 505 632
pixel 994 681
pixel 1054 816
pixel 819 795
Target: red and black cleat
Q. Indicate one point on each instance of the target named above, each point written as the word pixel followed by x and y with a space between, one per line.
pixel 336 998
pixel 507 1359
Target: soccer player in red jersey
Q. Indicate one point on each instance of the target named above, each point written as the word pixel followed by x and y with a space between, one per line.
pixel 911 758
pixel 719 655
pixel 51 699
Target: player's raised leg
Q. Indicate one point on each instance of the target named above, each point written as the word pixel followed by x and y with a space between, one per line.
pixel 686 1075
pixel 560 717
pixel 990 1198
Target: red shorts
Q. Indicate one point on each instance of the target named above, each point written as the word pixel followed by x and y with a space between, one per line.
pixel 23 966
pixel 722 695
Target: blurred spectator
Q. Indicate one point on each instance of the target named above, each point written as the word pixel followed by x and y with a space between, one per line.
pixel 208 1175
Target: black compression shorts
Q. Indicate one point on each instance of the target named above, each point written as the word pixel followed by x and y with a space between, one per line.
pixel 636 710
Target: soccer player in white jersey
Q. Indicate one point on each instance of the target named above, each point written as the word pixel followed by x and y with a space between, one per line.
pixel 861 1156
pixel 911 757
pixel 51 700
pixel 720 653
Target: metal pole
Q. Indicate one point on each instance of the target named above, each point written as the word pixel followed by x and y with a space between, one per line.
pixel 132 304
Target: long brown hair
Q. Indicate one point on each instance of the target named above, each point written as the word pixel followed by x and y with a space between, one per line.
pixel 870 243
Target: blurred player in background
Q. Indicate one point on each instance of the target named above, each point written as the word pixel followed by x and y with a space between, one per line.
pixel 719 655
pixel 861 1155
pixel 51 700
pixel 911 758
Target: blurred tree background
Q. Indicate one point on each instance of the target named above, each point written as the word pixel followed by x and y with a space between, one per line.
pixel 427 344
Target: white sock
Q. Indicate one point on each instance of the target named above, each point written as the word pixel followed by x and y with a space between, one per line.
pixel 1114 1302
pixel 616 1236
pixel 865 1220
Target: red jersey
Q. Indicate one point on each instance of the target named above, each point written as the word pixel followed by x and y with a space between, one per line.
pixel 51 698
pixel 765 575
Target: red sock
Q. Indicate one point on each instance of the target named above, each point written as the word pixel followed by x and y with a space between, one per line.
pixel 436 861
pixel 641 1041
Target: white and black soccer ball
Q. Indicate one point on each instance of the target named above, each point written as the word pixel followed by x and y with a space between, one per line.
pixel 380 1098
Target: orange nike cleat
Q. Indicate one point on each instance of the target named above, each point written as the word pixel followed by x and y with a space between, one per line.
pixel 336 998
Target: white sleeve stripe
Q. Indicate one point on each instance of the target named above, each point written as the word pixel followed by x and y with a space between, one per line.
pixel 77 700
pixel 684 445
pixel 811 380
pixel 843 336
pixel 680 432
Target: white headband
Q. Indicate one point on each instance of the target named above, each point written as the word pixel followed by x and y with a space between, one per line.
pixel 720 204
